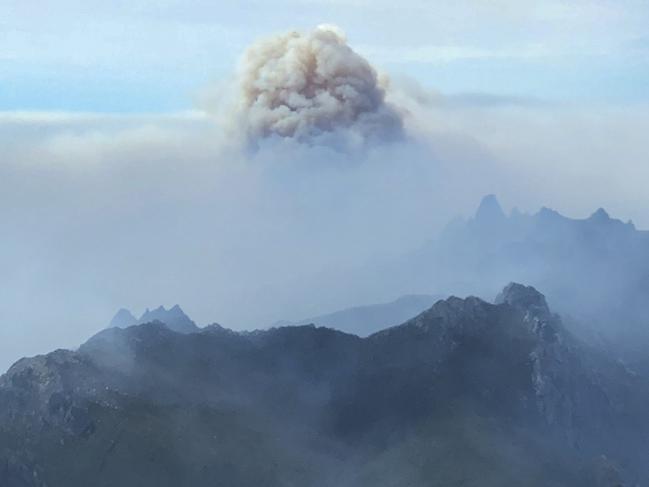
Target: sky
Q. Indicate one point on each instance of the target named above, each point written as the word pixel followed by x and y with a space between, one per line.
pixel 124 181
pixel 156 56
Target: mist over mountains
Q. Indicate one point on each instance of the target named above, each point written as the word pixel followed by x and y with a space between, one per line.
pixel 462 391
pixel 174 318
pixel 595 270
pixel 368 319
pixel 468 391
pixel 294 192
pixel 358 320
pixel 104 211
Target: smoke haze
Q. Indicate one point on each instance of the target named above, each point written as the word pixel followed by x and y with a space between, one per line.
pixel 101 212
pixel 313 88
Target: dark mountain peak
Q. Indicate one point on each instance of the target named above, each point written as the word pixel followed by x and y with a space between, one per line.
pixel 174 318
pixel 454 307
pixel 137 332
pixel 600 215
pixel 215 328
pixel 473 315
pixel 451 313
pixel 122 319
pixel 523 297
pixel 159 309
pixel 490 210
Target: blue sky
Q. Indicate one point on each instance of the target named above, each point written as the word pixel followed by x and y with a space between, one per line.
pixel 146 56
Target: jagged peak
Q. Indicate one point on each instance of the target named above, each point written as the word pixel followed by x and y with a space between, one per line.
pixel 156 311
pixel 489 209
pixel 601 215
pixel 453 306
pixel 523 297
pixel 123 318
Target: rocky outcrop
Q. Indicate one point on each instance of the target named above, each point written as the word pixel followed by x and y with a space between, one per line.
pixel 51 391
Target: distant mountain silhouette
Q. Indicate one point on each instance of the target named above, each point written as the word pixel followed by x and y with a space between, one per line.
pixel 595 270
pixel 365 320
pixel 490 213
pixel 175 318
pixel 123 319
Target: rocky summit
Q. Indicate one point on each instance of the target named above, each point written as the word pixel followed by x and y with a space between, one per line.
pixel 174 318
pixel 466 393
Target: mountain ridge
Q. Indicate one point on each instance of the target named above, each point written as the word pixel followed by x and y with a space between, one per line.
pixel 328 407
pixel 367 319
pixel 593 269
pixel 174 317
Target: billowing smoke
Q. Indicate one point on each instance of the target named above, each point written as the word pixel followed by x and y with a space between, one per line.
pixel 313 88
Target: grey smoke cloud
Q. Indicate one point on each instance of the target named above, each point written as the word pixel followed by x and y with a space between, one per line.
pixel 313 88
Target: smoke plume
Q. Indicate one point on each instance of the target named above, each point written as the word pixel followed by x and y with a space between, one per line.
pixel 313 88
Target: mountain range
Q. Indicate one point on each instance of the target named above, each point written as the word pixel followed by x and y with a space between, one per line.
pixel 368 319
pixel 418 391
pixel 466 393
pixel 594 271
pixel 358 320
pixel 174 318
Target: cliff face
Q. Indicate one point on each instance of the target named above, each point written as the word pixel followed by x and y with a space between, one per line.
pixel 467 391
